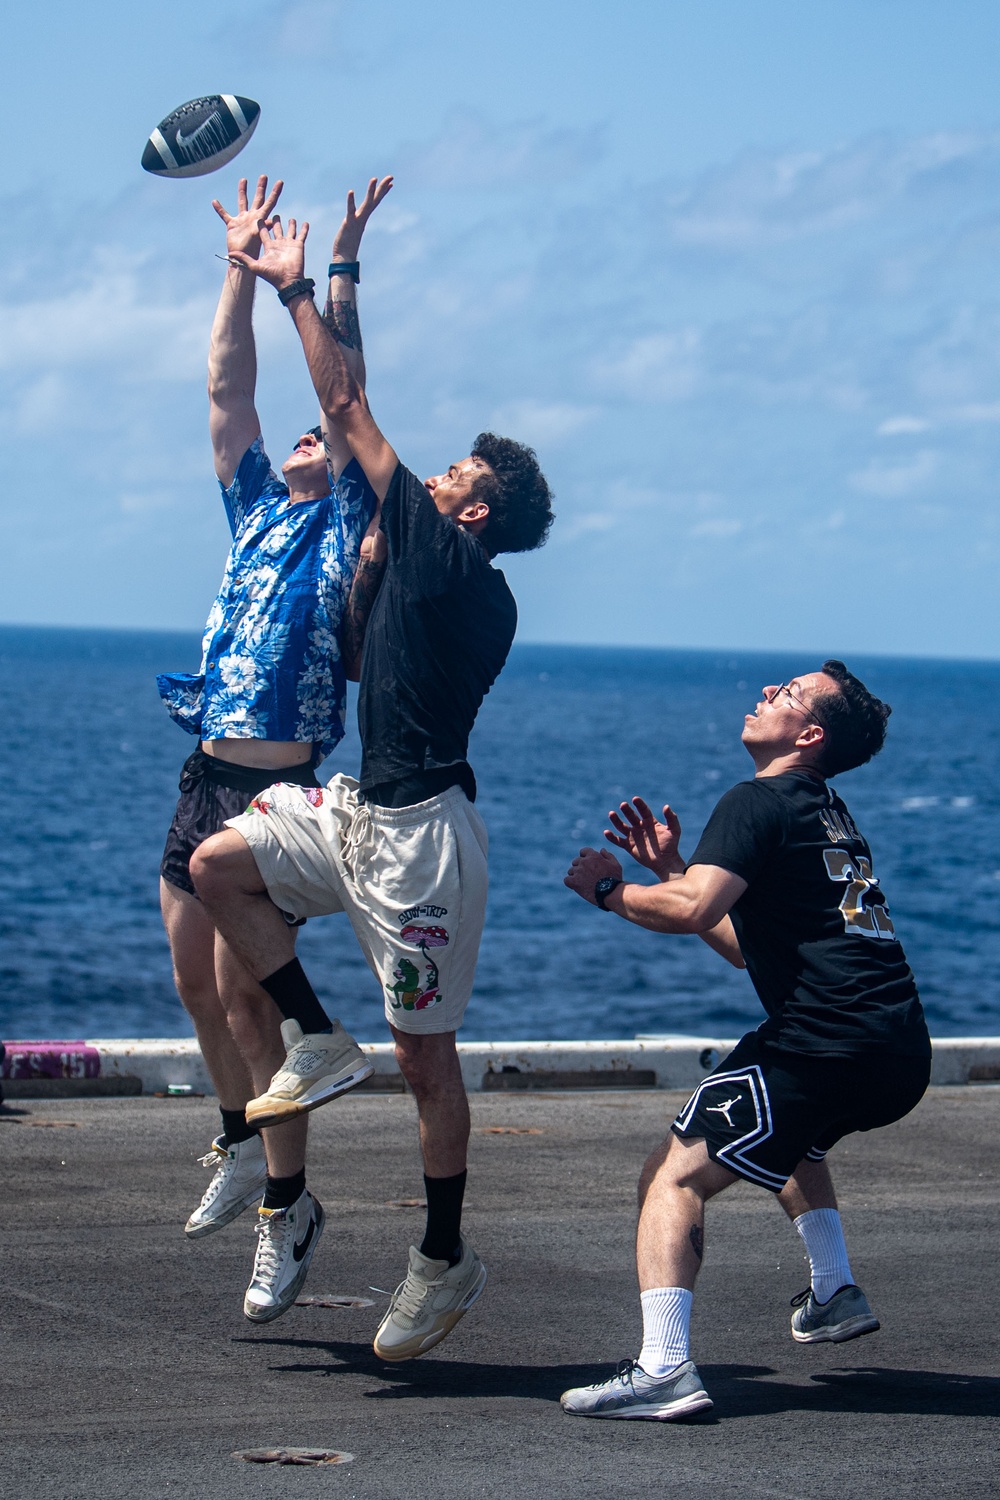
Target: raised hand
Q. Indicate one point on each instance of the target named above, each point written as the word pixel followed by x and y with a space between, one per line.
pixel 243 228
pixel 590 866
pixel 650 843
pixel 281 257
pixel 348 238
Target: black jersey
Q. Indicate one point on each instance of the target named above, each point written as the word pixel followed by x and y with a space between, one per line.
pixel 813 924
pixel 440 630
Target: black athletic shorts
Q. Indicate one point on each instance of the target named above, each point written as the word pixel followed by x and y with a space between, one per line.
pixel 213 790
pixel 763 1110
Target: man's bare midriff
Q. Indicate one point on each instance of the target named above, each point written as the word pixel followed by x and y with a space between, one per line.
pixel 270 755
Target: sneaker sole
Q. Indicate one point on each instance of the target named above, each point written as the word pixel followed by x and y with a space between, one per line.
pixel 196 1230
pixel 666 1411
pixel 840 1333
pixel 277 1112
pixel 417 1347
pixel 268 1314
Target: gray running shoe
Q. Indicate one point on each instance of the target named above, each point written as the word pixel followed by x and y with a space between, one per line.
pixel 846 1316
pixel 632 1393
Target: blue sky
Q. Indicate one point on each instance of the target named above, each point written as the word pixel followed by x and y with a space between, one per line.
pixel 731 265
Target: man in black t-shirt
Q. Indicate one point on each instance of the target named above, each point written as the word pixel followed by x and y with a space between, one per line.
pixel 403 851
pixel 781 883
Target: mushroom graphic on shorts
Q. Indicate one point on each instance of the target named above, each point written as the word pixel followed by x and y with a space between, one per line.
pixel 424 938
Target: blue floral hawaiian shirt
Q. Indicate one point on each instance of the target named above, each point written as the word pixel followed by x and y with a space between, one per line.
pixel 271 667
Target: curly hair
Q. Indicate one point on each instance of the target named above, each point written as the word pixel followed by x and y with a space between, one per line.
pixel 854 720
pixel 516 492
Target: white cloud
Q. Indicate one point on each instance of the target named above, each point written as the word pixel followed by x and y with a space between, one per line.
pixel 658 367
pixel 895 481
pixel 541 423
pixel 720 528
pixel 901 426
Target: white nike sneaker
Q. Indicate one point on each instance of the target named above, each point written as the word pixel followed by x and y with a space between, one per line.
pixel 318 1067
pixel 287 1239
pixel 427 1305
pixel 239 1182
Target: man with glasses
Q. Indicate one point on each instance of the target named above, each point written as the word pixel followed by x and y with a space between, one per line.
pixel 781 883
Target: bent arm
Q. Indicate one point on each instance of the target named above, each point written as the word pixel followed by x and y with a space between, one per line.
pixel 698 901
pixel 232 375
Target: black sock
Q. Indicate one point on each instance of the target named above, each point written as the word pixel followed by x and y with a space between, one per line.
pixel 282 1192
pixel 442 1240
pixel 235 1127
pixel 295 997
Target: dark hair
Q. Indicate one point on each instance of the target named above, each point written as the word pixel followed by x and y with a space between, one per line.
pixel 516 493
pixel 854 720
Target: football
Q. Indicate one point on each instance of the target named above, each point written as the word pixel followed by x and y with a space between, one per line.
pixel 200 136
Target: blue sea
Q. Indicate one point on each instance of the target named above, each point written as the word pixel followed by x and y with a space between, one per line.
pixel 90 763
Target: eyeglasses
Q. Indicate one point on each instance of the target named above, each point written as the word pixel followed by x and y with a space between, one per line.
pixel 803 707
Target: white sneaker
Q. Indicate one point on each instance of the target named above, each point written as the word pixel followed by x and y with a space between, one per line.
pixel 427 1305
pixel 239 1182
pixel 287 1238
pixel 318 1067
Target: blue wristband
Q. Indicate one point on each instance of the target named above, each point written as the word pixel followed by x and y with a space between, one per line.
pixel 351 268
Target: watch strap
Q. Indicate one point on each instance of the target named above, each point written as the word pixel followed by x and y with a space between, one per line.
pixel 351 268
pixel 297 288
pixel 604 888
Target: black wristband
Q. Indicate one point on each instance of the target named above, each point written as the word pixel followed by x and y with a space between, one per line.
pixel 304 284
pixel 603 889
pixel 351 268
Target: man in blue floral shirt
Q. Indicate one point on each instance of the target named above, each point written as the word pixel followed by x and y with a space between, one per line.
pixel 267 706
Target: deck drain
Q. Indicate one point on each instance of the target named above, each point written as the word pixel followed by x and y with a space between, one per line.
pixel 294 1456
pixel 333 1299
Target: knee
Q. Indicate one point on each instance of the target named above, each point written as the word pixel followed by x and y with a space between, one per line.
pixel 214 866
pixel 429 1064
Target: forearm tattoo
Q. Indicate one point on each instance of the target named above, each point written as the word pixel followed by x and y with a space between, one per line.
pixel 364 589
pixel 697 1238
pixel 341 319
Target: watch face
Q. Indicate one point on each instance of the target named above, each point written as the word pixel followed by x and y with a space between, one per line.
pixel 605 885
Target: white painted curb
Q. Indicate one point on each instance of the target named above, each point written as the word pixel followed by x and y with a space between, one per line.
pixel 678 1062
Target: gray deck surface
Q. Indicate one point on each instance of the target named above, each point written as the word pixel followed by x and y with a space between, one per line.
pixel 129 1370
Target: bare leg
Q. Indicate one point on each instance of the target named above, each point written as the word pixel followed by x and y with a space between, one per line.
pixel 810 1186
pixel 192 948
pixel 235 897
pixel 430 1066
pixel 255 1022
pixel 676 1182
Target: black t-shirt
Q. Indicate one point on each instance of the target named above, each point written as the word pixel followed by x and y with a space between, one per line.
pixel 813 924
pixel 439 633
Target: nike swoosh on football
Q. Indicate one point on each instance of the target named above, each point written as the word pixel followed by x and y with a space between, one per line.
pixel 301 1246
pixel 185 141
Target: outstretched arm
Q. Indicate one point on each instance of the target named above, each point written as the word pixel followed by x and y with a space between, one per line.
pixel 281 263
pixel 696 901
pixel 232 358
pixel 655 846
pixel 340 316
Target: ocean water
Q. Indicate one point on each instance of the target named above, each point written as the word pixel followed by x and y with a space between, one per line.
pixel 90 760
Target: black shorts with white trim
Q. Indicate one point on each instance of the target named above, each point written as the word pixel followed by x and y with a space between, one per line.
pixel 762 1110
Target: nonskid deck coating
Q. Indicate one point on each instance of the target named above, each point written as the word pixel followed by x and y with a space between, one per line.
pixel 129 1370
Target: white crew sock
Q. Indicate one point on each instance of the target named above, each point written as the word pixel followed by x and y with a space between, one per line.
pixel 666 1322
pixel 823 1237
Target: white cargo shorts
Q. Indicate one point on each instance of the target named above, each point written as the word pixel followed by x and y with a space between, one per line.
pixel 412 881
